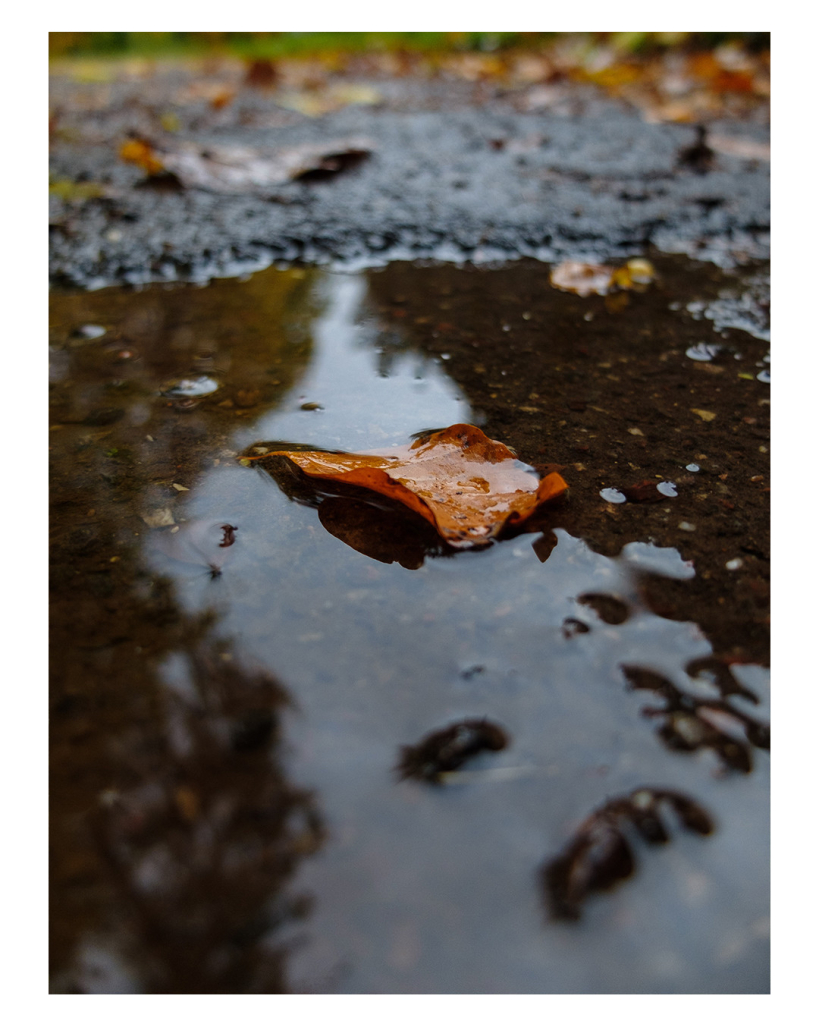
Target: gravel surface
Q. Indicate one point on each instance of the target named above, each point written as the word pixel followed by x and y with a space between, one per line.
pixel 447 178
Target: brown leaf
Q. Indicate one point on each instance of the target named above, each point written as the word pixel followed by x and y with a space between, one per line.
pixel 467 486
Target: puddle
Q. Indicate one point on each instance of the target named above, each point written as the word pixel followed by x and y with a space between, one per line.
pixel 236 681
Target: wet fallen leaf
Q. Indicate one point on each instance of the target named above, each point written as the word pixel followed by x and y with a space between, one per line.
pixel 466 485
pixel 241 170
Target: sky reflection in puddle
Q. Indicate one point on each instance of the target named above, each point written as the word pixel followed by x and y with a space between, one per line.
pixel 579 656
pixel 419 891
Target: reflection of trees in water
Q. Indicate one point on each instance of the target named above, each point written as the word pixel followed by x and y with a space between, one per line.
pixel 600 854
pixel 203 842
pixel 689 723
pixel 174 830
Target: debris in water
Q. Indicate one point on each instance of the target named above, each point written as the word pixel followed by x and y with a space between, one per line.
pixel 447 749
pixel 612 495
pixel 198 542
pixel 600 855
pixel 190 387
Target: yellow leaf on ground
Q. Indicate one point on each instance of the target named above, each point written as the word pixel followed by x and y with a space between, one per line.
pixel 141 153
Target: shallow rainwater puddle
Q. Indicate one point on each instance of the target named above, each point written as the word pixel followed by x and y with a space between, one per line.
pixel 232 683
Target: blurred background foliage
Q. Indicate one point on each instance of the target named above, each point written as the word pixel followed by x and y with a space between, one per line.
pixel 272 45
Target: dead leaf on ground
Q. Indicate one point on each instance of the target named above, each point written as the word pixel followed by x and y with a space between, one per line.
pixel 467 486
pixel 241 170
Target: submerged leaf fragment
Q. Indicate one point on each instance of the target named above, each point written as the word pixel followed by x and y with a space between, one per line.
pixel 466 485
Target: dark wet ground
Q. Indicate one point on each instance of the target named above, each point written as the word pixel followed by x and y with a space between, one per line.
pixel 233 680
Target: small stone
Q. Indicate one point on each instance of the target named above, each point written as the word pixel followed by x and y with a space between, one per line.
pixel 636 431
pixel 310 406
pixel 179 487
pixel 704 414
pixel 734 564
pixel 686 527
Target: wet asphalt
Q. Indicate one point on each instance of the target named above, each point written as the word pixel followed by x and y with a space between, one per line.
pixel 446 178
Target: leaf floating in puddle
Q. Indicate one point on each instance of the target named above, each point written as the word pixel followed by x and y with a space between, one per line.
pixel 466 485
pixel 600 854
pixel 447 749
pixel 243 170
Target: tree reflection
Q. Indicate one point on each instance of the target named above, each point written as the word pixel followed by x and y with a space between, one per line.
pixel 201 844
